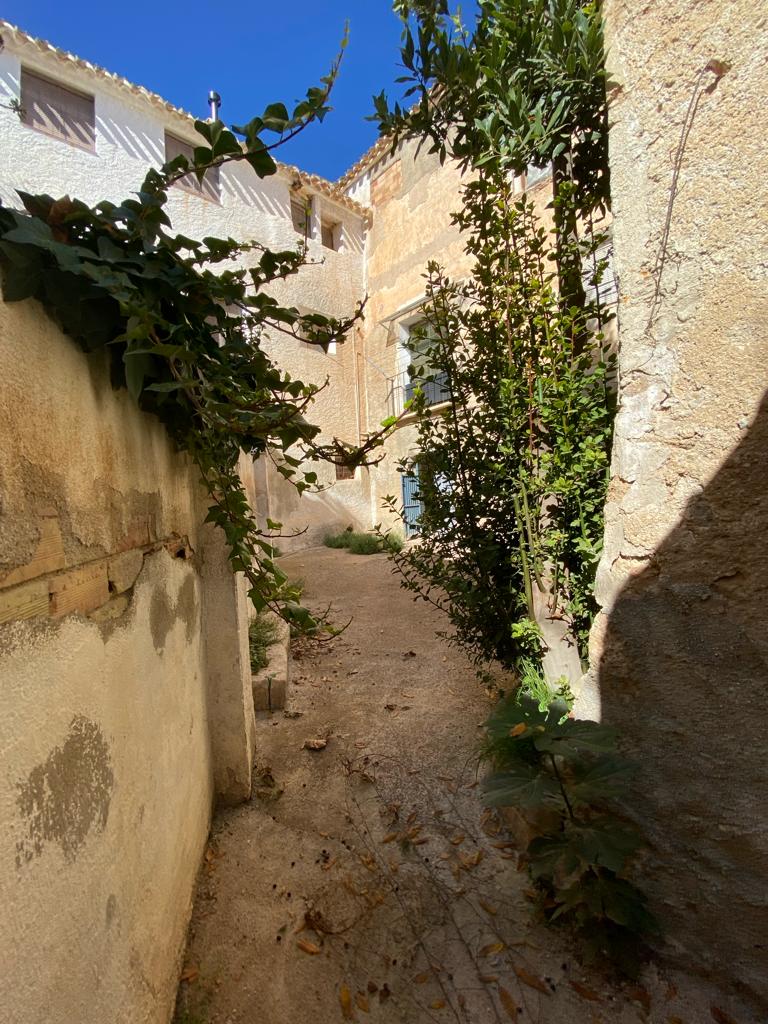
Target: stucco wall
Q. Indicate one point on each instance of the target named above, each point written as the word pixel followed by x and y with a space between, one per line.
pixel 125 688
pixel 412 197
pixel 679 653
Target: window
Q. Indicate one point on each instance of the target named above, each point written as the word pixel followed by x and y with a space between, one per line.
pixel 209 186
pixel 414 369
pixel 344 472
pixel 301 211
pixel 58 111
pixel 534 175
pixel 329 234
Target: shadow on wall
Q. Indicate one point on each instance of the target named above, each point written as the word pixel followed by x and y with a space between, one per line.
pixel 684 677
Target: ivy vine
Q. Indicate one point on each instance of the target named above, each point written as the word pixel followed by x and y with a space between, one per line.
pixel 183 322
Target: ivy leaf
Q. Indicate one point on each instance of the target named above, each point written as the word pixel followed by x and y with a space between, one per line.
pixel 137 367
pixel 520 785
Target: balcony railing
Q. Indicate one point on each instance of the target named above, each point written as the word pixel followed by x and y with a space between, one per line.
pixel 401 389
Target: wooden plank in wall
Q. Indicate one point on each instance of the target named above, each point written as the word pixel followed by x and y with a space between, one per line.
pixel 79 590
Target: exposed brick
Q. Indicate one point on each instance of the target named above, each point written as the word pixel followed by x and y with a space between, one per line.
pixel 80 590
pixel 48 557
pixel 26 601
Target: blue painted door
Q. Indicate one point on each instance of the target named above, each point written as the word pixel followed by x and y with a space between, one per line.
pixel 412 505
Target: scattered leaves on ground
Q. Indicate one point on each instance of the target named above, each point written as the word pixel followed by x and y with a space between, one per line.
pixel 531 980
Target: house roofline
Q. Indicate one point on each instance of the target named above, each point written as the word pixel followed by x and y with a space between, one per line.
pixel 46 49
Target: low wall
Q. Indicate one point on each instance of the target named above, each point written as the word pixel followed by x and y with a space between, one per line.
pixel 126 690
pixel 680 651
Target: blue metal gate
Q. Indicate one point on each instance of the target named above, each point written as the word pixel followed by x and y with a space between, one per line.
pixel 412 504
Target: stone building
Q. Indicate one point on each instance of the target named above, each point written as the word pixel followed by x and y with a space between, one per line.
pixel 127 706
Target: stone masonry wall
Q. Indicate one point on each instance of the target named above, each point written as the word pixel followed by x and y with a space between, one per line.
pixel 680 650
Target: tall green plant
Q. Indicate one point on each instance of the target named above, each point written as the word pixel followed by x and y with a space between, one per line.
pixel 513 467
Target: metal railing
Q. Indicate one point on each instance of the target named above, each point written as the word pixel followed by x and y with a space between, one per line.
pixel 401 389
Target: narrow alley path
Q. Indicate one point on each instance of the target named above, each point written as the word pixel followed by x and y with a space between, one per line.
pixel 364 881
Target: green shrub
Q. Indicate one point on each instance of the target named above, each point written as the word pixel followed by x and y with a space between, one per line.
pixel 364 543
pixel 262 633
pixel 337 540
pixel 545 761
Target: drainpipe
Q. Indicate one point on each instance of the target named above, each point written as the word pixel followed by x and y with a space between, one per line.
pixel 214 102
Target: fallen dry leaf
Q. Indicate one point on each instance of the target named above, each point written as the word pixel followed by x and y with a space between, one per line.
pixel 487 907
pixel 584 992
pixel 488 979
pixel 438 1004
pixel 308 947
pixel 361 1001
pixel 518 730
pixel 531 980
pixel 721 1016
pixel 494 947
pixel 422 979
pixel 345 999
pixel 320 743
pixel 391 837
pixel 509 1004
pixel 190 974
pixel 458 840
pixel 640 995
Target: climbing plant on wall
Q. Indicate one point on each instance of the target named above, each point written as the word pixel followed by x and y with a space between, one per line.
pixel 513 470
pixel 182 322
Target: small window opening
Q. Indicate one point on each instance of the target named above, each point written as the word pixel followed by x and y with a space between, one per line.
pixel 329 235
pixel 344 472
pixel 58 111
pixel 209 187
pixel 300 215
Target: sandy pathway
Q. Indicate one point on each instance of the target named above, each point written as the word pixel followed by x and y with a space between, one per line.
pixel 364 881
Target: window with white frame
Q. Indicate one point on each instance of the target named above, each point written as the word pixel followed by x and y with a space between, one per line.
pixel 57 110
pixel 209 187
pixel 413 366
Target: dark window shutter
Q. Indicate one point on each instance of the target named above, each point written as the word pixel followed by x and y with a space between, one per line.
pixel 58 111
pixel 210 185
pixel 300 215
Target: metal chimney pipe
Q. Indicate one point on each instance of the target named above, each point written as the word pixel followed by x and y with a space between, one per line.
pixel 214 101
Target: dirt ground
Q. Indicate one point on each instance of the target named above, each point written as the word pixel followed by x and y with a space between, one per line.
pixel 364 881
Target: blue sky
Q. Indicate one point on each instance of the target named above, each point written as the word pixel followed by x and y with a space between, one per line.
pixel 253 53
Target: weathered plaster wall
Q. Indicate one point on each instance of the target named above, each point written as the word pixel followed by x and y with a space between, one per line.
pixel 412 198
pixel 680 650
pixel 125 688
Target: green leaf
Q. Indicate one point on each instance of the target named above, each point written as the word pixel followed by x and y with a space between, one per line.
pixel 520 785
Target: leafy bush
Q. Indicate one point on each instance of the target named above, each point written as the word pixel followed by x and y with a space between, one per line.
pixel 364 543
pixel 544 760
pixel 338 540
pixel 262 633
